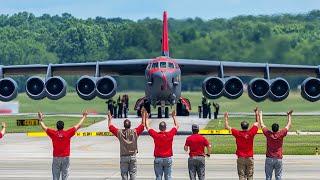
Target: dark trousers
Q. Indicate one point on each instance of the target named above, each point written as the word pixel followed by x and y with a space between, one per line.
pixel 196 166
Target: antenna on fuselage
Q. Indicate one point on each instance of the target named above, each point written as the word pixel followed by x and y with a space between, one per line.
pixel 165 36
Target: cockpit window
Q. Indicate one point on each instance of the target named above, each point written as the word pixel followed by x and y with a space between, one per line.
pixel 155 65
pixel 171 65
pixel 163 64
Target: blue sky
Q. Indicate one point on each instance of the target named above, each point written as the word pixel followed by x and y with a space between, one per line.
pixel 138 9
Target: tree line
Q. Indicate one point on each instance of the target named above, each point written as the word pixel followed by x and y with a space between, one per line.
pixel 283 38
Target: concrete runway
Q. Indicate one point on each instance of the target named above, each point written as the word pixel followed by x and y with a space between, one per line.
pixel 94 158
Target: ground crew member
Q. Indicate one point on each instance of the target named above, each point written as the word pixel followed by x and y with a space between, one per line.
pixel 120 107
pixel 216 110
pixel 128 145
pixel 3 131
pixel 196 144
pixel 61 146
pixel 244 140
pixel 163 147
pixel 274 147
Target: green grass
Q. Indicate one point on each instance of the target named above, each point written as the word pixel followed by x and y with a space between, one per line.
pixel 302 145
pixel 49 121
pixel 71 103
pixel 293 145
pixel 299 123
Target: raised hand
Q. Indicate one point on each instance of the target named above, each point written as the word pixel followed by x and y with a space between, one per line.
pixel 226 115
pixel 173 114
pixel 290 112
pixel 40 116
pixel 4 125
pixel 256 110
pixel 85 113
pixel 109 115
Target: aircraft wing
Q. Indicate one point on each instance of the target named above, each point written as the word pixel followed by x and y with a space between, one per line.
pixel 111 67
pixel 208 67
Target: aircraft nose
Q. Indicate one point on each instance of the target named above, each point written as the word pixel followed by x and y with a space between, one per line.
pixel 160 78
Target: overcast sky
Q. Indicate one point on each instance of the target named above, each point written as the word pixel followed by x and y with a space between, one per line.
pixel 138 9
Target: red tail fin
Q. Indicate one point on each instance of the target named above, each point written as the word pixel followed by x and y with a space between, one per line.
pixel 165 37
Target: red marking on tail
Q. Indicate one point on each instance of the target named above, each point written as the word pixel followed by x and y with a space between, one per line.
pixel 165 37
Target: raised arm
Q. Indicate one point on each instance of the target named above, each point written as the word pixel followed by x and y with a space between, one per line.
pixel 84 116
pixel 176 124
pixel 226 121
pixel 41 116
pixel 144 115
pixel 289 123
pixel 109 118
pixel 4 126
pixel 146 121
pixel 261 123
pixel 256 112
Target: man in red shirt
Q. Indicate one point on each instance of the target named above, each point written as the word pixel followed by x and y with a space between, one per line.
pixel 163 147
pixel 61 146
pixel 128 145
pixel 244 140
pixel 274 147
pixel 195 144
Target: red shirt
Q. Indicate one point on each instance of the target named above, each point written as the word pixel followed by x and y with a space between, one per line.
pixel 163 142
pixel 274 142
pixel 1 135
pixel 244 140
pixel 115 130
pixel 196 143
pixel 61 141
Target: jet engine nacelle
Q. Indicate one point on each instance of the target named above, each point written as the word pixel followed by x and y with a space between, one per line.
pixel 212 87
pixel 233 87
pixel 279 89
pixel 258 89
pixel 310 89
pixel 86 87
pixel 106 87
pixel 8 89
pixel 35 88
pixel 56 87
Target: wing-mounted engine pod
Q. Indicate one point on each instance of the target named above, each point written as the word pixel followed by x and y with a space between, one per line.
pixel 56 87
pixel 212 87
pixel 106 87
pixel 86 87
pixel 279 89
pixel 8 89
pixel 310 89
pixel 35 88
pixel 258 89
pixel 233 87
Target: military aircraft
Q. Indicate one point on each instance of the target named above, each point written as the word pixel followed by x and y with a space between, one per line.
pixel 163 78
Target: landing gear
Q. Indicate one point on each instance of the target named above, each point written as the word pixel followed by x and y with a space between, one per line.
pixel 159 112
pixel 166 112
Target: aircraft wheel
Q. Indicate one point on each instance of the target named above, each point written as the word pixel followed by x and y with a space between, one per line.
pixel 166 112
pixel 159 112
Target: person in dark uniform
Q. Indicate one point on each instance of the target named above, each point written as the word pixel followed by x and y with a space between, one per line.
pixel 125 105
pixel 115 109
pixel 110 106
pixel 120 107
pixel 209 109
pixel 204 107
pixel 216 110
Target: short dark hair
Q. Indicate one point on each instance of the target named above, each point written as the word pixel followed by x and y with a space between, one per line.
pixel 60 125
pixel 244 125
pixel 127 124
pixel 162 126
pixel 195 131
pixel 275 127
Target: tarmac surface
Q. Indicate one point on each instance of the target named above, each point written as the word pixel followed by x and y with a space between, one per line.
pixel 93 158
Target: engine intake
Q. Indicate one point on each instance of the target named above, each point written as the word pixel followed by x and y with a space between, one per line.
pixel 86 87
pixel 310 89
pixel 56 88
pixel 279 89
pixel 35 88
pixel 8 89
pixel 106 87
pixel 212 87
pixel 258 89
pixel 233 87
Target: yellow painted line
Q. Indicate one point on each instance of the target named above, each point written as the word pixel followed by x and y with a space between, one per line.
pixel 42 134
pixel 219 132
